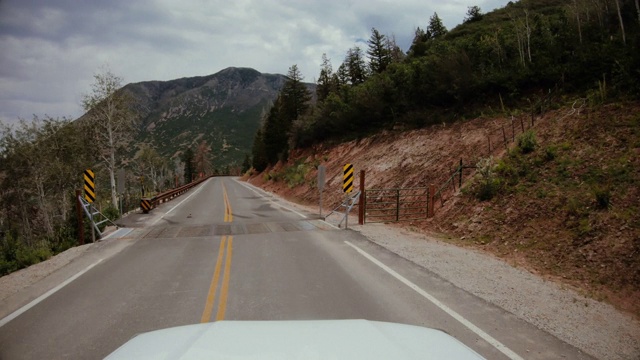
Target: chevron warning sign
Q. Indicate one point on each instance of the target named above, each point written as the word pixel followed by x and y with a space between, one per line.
pixel 347 185
pixel 145 205
pixel 89 186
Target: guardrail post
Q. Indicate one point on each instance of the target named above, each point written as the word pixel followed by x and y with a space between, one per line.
pixel 432 190
pixel 362 200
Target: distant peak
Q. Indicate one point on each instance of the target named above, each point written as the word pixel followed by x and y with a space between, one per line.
pixel 233 69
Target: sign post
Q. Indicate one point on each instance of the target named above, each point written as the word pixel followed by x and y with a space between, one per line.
pixel 321 181
pixel 90 196
pixel 347 187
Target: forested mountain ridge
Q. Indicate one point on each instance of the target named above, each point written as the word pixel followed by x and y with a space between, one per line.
pixel 222 109
pixel 505 61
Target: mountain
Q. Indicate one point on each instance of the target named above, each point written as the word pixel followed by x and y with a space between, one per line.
pixel 223 109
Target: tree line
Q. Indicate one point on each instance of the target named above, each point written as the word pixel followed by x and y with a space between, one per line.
pixel 509 58
pixel 42 162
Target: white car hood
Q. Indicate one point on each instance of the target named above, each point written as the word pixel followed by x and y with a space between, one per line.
pixel 284 340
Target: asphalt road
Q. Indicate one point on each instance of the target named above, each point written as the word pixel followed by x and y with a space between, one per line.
pixel 225 251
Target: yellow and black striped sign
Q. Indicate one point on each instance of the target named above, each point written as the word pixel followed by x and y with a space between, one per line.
pixel 145 205
pixel 347 185
pixel 89 186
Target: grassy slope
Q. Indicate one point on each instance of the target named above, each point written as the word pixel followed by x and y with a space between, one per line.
pixel 570 208
pixel 545 215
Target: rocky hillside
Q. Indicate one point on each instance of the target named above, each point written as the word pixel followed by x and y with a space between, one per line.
pixel 566 209
pixel 224 109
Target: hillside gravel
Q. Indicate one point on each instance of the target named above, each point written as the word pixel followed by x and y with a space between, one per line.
pixel 594 327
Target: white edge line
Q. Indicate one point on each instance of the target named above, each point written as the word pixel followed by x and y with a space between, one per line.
pixel 180 203
pixel 35 302
pixel 115 232
pixel 250 187
pixel 495 343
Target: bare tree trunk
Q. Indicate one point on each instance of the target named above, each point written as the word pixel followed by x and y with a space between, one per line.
pixel 624 38
pixel 528 29
pixel 638 10
pixel 26 225
pixel 575 5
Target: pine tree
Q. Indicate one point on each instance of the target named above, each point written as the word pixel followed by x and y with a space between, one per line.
pixel 379 54
pixel 436 28
pixel 189 168
pixel 473 14
pixel 246 164
pixel 295 96
pixel 356 66
pixel 259 157
pixel 325 81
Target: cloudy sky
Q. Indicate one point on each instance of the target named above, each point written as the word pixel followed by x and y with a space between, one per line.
pixel 50 49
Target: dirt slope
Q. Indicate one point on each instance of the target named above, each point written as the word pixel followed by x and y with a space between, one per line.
pixel 545 216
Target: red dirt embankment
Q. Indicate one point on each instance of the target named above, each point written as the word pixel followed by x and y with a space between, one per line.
pixel 547 221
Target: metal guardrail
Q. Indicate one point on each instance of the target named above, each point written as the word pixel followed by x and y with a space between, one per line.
pixel 147 204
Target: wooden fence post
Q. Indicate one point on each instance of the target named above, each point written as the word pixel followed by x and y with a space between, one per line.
pixel 432 190
pixel 362 200
pixel 504 135
pixel 460 185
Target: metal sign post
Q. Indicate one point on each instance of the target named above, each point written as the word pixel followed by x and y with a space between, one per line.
pixel 347 187
pixel 321 181
pixel 90 195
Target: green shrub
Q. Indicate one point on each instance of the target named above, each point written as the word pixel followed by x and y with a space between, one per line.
pixel 550 153
pixel 111 213
pixel 488 185
pixel 64 238
pixel 488 189
pixel 603 197
pixel 527 142
pixel 295 175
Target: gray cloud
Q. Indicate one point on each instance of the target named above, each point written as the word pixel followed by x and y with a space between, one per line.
pixel 52 48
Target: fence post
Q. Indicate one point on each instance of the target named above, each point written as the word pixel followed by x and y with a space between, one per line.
pixel 362 200
pixel 432 190
pixel 460 185
pixel 80 219
pixel 504 135
pixel 398 205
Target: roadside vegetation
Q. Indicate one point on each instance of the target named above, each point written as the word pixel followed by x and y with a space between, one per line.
pixel 562 200
pixel 41 167
pixel 523 57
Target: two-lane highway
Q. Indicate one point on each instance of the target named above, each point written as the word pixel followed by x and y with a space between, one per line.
pixel 225 251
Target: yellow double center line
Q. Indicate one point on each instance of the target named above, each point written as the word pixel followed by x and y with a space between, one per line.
pixel 224 291
pixel 228 214
pixel 225 243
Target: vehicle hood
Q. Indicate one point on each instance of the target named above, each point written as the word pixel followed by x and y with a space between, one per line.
pixel 284 340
